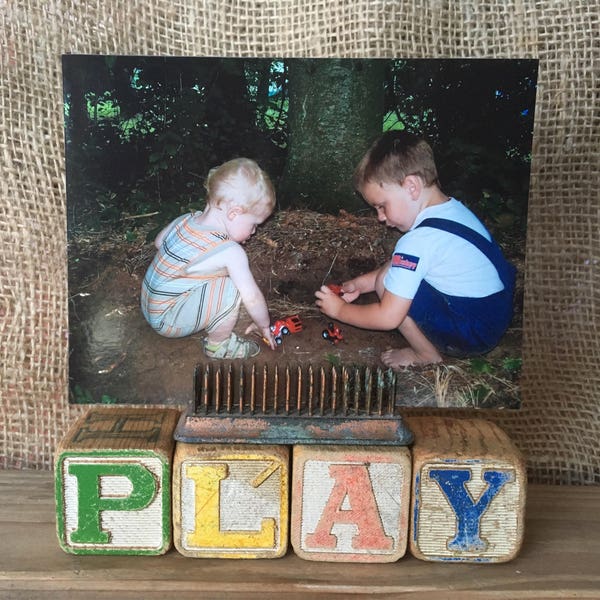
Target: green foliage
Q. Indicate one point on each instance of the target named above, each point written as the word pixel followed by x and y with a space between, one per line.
pixel 143 132
pixel 512 365
pixel 480 365
pixel 84 396
pixel 333 359
pixel 479 394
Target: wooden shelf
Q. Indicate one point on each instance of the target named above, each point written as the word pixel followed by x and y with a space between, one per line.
pixel 560 558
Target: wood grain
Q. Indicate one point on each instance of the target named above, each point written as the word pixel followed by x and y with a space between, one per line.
pixel 559 559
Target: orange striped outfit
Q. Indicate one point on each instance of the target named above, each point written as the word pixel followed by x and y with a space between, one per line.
pixel 177 304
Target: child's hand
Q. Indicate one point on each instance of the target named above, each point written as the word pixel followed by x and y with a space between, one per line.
pixel 349 291
pixel 328 302
pixel 265 332
pixel 267 336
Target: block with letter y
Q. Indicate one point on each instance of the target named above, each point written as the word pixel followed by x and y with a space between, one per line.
pixel 230 501
pixel 350 503
pixel 113 481
pixel 469 488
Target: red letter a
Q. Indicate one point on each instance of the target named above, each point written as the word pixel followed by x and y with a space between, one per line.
pixel 351 481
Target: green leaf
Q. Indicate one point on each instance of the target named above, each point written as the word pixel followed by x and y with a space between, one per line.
pixel 512 365
pixel 480 365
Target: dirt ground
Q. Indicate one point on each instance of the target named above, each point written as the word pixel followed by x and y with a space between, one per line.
pixel 116 357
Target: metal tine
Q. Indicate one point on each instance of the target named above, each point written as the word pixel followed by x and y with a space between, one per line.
pixel 287 389
pixel 345 389
pixel 334 391
pixel 205 384
pixel 311 389
pixel 241 386
pixel 368 385
pixel 393 383
pixel 264 389
pixel 253 388
pixel 322 384
pixel 276 390
pixel 379 398
pixel 217 387
pixel 197 390
pixel 228 389
pixel 299 390
pixel 357 390
pixel 380 388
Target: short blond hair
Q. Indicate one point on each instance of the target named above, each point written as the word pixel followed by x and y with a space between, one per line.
pixel 393 157
pixel 240 182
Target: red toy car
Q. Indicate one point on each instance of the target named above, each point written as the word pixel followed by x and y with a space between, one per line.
pixel 286 326
pixel 333 333
pixel 336 289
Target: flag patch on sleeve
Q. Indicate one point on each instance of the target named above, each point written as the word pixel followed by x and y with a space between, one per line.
pixel 405 261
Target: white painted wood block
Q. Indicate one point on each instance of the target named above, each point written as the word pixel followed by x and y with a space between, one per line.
pixel 230 501
pixel 350 503
pixel 469 489
pixel 113 482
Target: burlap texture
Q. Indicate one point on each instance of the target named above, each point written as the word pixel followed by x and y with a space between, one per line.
pixel 559 426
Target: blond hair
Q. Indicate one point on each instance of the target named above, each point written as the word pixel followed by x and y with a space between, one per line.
pixel 395 156
pixel 240 182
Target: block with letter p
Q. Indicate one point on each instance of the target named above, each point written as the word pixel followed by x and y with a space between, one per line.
pixel 113 481
pixel 350 503
pixel 469 487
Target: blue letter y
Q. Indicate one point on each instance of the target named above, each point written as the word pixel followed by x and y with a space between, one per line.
pixel 468 513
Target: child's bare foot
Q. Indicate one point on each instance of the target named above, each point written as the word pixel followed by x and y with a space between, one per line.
pixel 407 357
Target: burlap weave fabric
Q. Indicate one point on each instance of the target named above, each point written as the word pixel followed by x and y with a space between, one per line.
pixel 559 426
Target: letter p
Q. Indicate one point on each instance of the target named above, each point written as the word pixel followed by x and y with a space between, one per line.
pixel 112 505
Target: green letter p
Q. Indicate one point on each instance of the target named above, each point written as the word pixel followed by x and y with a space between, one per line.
pixel 91 503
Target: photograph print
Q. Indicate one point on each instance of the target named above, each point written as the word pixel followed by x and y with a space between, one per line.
pixel 365 213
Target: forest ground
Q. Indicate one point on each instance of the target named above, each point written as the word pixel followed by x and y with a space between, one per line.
pixel 116 357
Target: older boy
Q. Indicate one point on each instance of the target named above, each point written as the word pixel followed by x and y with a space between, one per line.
pixel 447 288
pixel 200 274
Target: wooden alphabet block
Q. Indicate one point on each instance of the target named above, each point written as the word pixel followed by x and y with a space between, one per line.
pixel 350 503
pixel 469 487
pixel 113 481
pixel 230 501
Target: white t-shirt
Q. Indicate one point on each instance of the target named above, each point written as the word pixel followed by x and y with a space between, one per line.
pixel 446 261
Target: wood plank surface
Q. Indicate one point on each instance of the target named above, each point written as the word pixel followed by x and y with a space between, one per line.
pixel 560 558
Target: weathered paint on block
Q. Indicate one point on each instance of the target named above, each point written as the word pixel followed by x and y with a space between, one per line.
pixel 230 501
pixel 469 488
pixel 113 482
pixel 350 503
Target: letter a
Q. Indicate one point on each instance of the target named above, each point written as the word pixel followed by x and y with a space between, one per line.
pixel 352 482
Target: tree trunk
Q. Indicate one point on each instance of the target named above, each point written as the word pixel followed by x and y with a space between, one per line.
pixel 335 112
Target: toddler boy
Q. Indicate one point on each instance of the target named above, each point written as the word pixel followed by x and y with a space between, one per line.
pixel 200 274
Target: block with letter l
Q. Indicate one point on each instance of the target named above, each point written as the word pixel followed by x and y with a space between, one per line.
pixel 469 488
pixel 113 481
pixel 350 503
pixel 230 501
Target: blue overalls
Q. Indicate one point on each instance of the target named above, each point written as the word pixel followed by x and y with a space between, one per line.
pixel 462 326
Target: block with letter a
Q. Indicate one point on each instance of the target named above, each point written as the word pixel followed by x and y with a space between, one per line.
pixel 350 503
pixel 230 501
pixel 469 487
pixel 113 481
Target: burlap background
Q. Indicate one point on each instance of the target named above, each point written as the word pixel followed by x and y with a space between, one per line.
pixel 559 426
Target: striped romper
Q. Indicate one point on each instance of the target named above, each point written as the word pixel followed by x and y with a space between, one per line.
pixel 177 304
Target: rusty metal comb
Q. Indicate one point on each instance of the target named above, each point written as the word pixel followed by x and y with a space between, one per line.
pixel 289 404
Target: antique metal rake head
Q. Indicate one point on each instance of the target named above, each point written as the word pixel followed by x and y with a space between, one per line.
pixel 250 403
